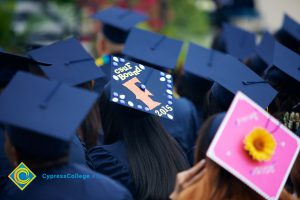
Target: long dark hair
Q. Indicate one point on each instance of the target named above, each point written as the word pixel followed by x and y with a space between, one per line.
pixel 154 157
pixel 213 106
pixel 217 183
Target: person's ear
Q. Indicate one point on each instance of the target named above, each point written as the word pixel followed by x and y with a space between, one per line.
pixel 92 85
pixel 101 46
pixel 11 151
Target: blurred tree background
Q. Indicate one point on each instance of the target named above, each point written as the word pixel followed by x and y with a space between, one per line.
pixel 23 19
pixel 6 15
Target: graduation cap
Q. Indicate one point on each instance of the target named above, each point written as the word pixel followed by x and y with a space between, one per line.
pixel 238 42
pixel 152 48
pixel 264 54
pixel 265 48
pixel 142 88
pixel 235 147
pixel 230 76
pixel 284 75
pixel 289 34
pixel 286 60
pixel 117 22
pixel 11 63
pixel 42 115
pixel 291 27
pixel 282 65
pixel 200 61
pixel 275 54
pixel 70 62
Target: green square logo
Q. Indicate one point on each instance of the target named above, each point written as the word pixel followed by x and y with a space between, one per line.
pixel 22 176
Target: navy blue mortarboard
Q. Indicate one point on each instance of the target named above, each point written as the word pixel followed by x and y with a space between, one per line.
pixel 275 54
pixel 286 60
pixel 200 61
pixel 152 48
pixel 140 87
pixel 231 76
pixel 284 74
pixel 292 27
pixel 281 67
pixel 264 54
pixel 70 62
pixel 238 42
pixel 43 123
pixel 265 49
pixel 289 34
pixel 117 22
pixel 11 63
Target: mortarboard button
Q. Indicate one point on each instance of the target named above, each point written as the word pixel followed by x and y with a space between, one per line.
pixel 152 48
pixel 49 111
pixel 70 62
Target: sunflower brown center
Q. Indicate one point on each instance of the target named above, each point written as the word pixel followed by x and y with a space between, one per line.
pixel 258 144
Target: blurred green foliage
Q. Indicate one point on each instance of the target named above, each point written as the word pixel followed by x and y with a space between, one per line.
pixel 188 21
pixel 6 16
pixel 189 24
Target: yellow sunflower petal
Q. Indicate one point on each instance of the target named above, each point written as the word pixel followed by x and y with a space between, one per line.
pixel 260 144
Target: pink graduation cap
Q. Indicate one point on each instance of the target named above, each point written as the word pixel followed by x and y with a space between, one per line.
pixel 255 147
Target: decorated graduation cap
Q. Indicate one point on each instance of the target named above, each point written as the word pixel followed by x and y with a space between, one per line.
pixel 142 88
pixel 255 147
pixel 117 22
pixel 238 42
pixel 41 115
pixel 70 62
pixel 11 63
pixel 152 49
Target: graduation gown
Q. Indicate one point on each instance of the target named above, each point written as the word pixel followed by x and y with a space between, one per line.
pixel 185 125
pixel 100 188
pixel 77 152
pixel 5 167
pixel 112 160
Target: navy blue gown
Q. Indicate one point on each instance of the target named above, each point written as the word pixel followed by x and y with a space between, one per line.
pixel 5 167
pixel 77 151
pixel 185 125
pixel 99 188
pixel 112 160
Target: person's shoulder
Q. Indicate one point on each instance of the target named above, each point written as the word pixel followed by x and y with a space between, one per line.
pixel 111 152
pixel 111 160
pixel 183 105
pixel 98 183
